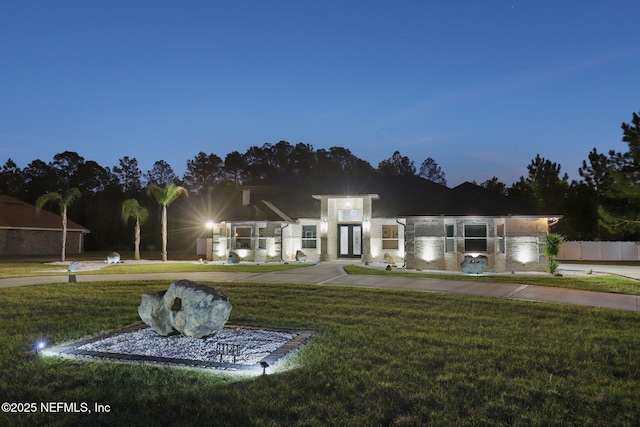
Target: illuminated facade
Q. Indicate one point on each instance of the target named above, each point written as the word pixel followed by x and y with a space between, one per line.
pixel 407 221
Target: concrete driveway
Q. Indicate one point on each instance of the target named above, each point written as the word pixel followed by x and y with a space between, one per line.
pixel 630 271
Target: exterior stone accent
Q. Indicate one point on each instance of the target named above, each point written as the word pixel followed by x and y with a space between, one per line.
pixel 192 309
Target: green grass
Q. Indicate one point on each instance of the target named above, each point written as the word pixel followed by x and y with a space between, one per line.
pixel 600 283
pixel 27 269
pixel 194 267
pixel 390 358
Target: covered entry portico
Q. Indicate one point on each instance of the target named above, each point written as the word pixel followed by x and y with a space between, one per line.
pixel 345 226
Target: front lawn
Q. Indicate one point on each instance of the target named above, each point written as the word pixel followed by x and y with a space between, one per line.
pixel 381 358
pixel 598 283
pixel 28 269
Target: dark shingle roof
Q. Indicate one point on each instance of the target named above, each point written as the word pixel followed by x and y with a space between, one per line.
pixel 398 196
pixel 15 213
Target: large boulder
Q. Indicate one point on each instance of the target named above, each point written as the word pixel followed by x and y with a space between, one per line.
pixel 193 309
pixel 155 313
pixel 233 258
pixel 474 265
pixel 113 258
pixel 300 256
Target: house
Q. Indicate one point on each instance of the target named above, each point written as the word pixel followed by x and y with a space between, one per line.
pixel 405 220
pixel 23 231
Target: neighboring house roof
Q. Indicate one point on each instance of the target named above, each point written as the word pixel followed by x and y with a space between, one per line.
pixel 398 196
pixel 17 214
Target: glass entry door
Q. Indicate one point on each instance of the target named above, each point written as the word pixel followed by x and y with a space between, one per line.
pixel 349 240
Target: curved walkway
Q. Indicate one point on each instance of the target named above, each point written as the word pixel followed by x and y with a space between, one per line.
pixel 333 274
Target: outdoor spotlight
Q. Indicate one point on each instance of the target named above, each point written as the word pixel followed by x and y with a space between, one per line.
pixel 40 345
pixel 264 365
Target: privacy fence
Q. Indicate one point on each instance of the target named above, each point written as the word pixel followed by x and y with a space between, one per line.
pixel 600 251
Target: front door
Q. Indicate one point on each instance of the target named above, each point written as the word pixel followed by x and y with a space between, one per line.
pixel 349 241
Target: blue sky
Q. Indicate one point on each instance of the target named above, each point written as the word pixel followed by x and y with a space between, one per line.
pixel 480 86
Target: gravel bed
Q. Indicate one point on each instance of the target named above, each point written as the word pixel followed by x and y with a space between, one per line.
pixel 253 344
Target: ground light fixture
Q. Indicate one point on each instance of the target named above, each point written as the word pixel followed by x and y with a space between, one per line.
pixel 40 345
pixel 264 365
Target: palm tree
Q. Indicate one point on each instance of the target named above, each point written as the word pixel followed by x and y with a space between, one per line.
pixel 165 195
pixel 552 244
pixel 132 209
pixel 63 200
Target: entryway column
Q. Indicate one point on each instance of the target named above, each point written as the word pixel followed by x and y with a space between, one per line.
pixel 366 229
pixel 324 229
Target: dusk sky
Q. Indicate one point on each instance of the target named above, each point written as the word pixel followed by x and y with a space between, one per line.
pixel 480 86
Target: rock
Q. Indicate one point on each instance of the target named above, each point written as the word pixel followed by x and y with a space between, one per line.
pixel 388 268
pixel 193 309
pixel 300 256
pixel 233 258
pixel 113 258
pixel 154 313
pixel 475 265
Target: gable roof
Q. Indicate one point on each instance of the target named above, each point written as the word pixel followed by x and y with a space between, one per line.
pixel 15 213
pixel 398 196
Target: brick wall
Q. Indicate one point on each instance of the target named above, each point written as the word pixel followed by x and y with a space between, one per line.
pixel 39 242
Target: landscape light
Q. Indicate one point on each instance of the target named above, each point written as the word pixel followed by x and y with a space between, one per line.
pixel 40 345
pixel 264 365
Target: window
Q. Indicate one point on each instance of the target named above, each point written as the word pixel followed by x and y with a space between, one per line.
pixel 389 237
pixel 500 243
pixel 309 236
pixel 262 239
pixel 450 240
pixel 350 215
pixel 243 238
pixel 475 238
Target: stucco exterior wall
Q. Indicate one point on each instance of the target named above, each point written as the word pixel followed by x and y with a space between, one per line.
pixel 521 250
pixel 512 244
pixel 262 244
pixel 525 250
pixel 425 243
pixel 377 245
pixel 293 241
pixel 39 242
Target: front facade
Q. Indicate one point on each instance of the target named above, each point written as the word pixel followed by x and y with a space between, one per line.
pixel 383 227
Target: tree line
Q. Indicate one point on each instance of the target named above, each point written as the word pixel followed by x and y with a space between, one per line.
pixel 603 204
